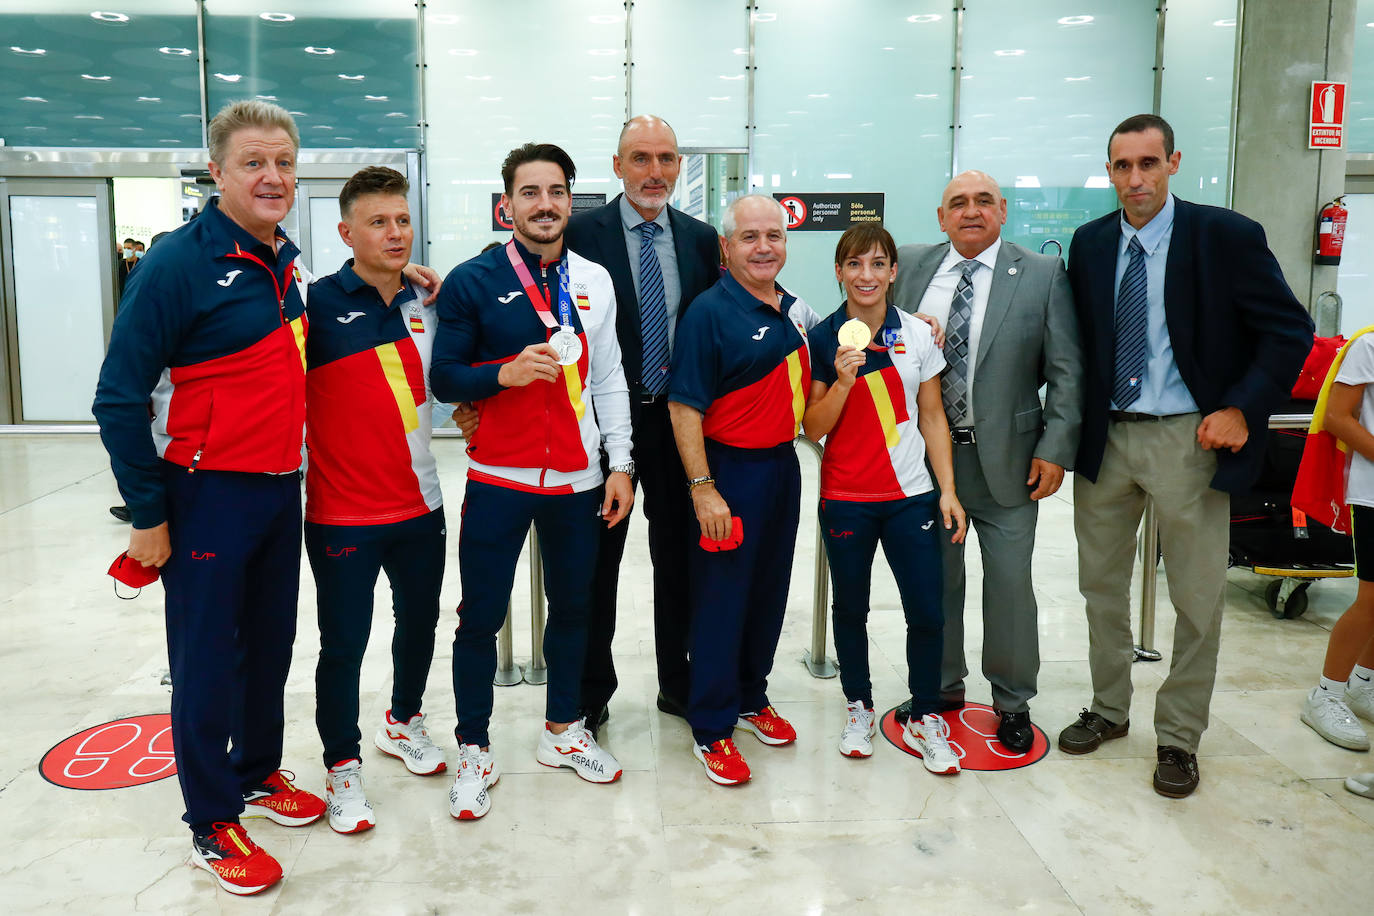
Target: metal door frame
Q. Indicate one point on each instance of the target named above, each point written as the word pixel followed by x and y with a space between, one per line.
pixel 12 404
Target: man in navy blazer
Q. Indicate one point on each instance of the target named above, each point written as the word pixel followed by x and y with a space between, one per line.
pixel 1191 338
pixel 652 290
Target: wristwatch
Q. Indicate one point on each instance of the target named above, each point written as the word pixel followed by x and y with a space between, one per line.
pixel 628 468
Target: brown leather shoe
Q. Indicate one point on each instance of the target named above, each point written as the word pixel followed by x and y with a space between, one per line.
pixel 1176 775
pixel 1087 734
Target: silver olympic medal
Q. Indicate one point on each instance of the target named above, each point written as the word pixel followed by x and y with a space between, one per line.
pixel 854 333
pixel 567 345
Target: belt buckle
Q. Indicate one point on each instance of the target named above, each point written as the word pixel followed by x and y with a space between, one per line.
pixel 962 435
pixel 646 397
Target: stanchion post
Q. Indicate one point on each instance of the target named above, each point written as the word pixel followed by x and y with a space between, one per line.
pixel 1149 572
pixel 536 672
pixel 508 673
pixel 814 657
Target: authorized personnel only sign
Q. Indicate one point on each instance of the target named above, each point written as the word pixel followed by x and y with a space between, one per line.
pixel 830 212
pixel 1327 127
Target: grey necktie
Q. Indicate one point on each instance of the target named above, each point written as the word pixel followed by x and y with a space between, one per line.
pixel 954 382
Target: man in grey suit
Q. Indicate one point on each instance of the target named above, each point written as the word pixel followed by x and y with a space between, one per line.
pixel 1010 328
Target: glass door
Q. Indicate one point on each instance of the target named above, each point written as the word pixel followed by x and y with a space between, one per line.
pixel 59 279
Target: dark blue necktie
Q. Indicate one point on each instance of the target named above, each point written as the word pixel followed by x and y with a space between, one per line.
pixel 653 312
pixel 1132 335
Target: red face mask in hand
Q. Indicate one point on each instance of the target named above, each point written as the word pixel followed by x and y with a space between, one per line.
pixel 132 573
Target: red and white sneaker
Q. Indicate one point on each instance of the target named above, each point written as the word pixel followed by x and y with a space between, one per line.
pixel 768 726
pixel 724 765
pixel 276 799
pixel 349 809
pixel 576 748
pixel 410 742
pixel 239 865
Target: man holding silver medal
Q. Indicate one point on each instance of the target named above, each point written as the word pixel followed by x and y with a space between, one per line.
pixel 527 335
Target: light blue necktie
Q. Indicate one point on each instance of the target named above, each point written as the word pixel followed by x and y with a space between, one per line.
pixel 653 313
pixel 1132 337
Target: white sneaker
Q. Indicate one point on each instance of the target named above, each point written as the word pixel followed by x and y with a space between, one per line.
pixel 349 809
pixel 929 737
pixel 467 797
pixel 1361 784
pixel 860 724
pixel 577 748
pixel 410 742
pixel 1328 716
pixel 1359 697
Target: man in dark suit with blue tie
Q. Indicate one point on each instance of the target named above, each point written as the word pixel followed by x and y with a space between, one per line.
pixel 1191 339
pixel 659 259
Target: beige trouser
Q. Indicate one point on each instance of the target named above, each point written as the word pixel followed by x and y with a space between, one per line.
pixel 1163 460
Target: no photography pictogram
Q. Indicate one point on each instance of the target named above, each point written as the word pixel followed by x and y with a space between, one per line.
pixel 115 755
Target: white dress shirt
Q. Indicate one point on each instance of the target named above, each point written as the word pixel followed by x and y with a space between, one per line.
pixel 940 293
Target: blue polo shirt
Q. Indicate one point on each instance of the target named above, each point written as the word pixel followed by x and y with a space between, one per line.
pixel 743 364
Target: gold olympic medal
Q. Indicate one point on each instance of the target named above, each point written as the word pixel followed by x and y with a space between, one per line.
pixel 854 333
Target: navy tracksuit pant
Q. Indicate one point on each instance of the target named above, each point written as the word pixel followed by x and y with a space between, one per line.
pixel 739 596
pixel 496 520
pixel 909 530
pixel 346 560
pixel 232 583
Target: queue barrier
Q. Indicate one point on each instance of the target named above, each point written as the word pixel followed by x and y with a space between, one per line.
pixel 509 673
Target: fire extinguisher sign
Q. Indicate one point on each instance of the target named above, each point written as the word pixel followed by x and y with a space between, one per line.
pixel 1327 127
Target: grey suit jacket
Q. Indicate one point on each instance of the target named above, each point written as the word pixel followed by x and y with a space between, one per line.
pixel 1029 338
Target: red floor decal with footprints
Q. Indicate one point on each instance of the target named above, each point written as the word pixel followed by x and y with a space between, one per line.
pixel 116 755
pixel 973 736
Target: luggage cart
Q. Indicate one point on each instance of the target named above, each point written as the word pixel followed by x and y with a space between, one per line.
pixel 1271 538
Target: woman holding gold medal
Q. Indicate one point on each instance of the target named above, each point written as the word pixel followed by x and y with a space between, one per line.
pixel 875 393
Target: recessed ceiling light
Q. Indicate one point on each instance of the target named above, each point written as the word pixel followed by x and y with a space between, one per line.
pixel 266 98
pixel 33 98
pixel 1014 52
pixel 176 52
pixel 478 78
pixel 99 79
pixel 324 52
pixel 765 17
pixel 1075 20
pixel 298 114
pixel 927 95
pixel 717 98
pixel 353 78
pixel 276 17
pixel 462 52
pixel 818 95
pixel 131 128
pixel 322 127
pixel 726 77
pixel 396 114
pixel 149 98
pixel 89 117
pixel 343 138
pixel 375 98
pixel 109 17
pixel 1076 79
pixel 229 77
pixel 924 17
pixel 35 52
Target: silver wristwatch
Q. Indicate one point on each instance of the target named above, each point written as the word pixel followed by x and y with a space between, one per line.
pixel 627 468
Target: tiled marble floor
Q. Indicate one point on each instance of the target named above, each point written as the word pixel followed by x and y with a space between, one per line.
pixel 1270 830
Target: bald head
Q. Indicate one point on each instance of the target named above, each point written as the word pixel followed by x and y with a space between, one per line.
pixel 972 212
pixel 647 162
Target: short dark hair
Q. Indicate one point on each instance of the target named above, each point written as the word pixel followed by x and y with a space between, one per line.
pixel 375 179
pixel 536 152
pixel 1138 124
pixel 131 241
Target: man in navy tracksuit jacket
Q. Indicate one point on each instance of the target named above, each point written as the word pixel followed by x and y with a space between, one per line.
pixel 210 339
pixel 527 334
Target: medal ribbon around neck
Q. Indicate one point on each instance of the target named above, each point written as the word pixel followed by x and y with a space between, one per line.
pixel 538 300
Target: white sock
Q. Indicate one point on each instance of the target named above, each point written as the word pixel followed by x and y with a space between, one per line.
pixel 1362 677
pixel 1334 688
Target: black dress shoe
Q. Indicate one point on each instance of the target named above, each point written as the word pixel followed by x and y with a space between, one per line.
pixel 945 704
pixel 1087 734
pixel 122 513
pixel 1015 732
pixel 596 717
pixel 1176 774
pixel 671 706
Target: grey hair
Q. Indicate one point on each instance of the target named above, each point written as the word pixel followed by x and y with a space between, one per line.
pixel 247 113
pixel 727 222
